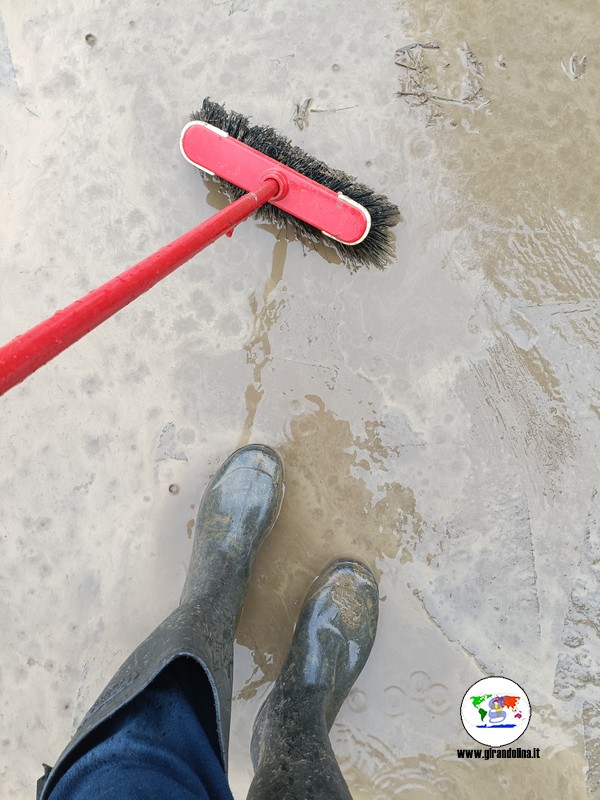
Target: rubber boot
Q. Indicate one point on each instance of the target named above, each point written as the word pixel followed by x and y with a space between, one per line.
pixel 238 509
pixel 291 752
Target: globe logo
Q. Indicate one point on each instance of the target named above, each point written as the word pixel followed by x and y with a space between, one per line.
pixel 495 711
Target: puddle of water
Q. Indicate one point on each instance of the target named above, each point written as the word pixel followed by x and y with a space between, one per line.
pixel 437 420
pixel 328 513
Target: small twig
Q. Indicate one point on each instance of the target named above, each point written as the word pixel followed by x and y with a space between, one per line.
pixel 330 110
pixel 424 45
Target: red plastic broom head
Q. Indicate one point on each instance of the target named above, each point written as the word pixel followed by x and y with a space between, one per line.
pixel 320 200
pixel 216 152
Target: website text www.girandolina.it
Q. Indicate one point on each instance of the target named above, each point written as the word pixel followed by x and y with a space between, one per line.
pixel 496 752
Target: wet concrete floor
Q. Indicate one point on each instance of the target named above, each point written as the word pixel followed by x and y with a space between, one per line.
pixel 439 419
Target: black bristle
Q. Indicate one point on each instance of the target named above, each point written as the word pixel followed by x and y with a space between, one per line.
pixel 378 247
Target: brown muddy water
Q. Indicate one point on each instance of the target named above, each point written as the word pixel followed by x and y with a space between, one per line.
pixel 439 419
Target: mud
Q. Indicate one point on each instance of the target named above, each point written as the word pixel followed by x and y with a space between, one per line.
pixel 328 513
pixel 438 420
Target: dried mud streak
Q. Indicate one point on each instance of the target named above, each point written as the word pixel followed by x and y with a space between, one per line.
pixel 258 347
pixel 511 389
pixel 327 514
pixel 591 733
pixel 540 257
pixel 516 445
pixel 578 666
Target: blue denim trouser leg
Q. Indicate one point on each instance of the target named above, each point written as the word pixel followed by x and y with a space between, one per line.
pixel 162 745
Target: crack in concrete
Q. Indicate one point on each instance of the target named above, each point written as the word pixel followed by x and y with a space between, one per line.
pixel 468 653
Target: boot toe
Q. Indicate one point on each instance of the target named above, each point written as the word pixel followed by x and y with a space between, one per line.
pixel 257 457
pixel 250 477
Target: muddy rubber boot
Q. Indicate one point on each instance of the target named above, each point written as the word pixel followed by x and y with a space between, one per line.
pixel 291 752
pixel 238 509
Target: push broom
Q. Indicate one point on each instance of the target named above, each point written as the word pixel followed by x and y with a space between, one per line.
pixel 261 171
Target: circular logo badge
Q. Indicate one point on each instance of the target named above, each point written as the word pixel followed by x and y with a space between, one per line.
pixel 495 711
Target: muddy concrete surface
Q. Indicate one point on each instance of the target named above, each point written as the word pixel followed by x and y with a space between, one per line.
pixel 439 419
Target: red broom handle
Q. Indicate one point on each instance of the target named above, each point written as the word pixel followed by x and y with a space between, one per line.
pixel 28 352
